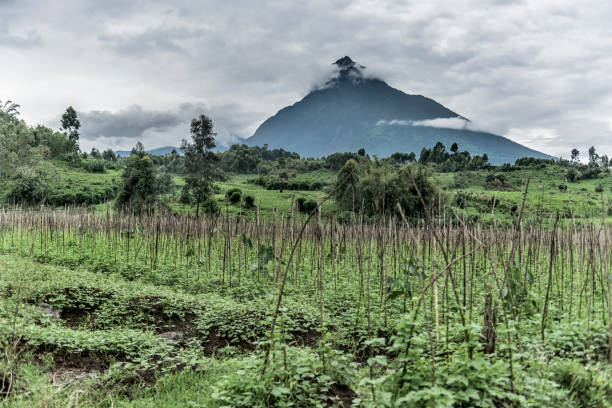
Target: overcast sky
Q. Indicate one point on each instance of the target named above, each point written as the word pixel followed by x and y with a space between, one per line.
pixel 538 72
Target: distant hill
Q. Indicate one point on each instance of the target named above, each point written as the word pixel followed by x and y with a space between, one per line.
pixel 158 151
pixel 352 111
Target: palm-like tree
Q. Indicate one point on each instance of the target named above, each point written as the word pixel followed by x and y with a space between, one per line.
pixel 10 107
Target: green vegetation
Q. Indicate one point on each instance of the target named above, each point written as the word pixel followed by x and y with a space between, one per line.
pixel 158 311
pixel 272 280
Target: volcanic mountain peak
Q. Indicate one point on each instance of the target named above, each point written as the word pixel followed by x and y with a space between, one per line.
pixel 348 66
pixel 348 71
pixel 353 111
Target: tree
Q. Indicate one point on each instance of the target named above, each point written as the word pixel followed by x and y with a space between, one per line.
pixel 593 157
pixel 10 108
pixel 575 155
pixel 109 155
pixel 138 150
pixel 454 148
pixel 200 161
pixel 17 146
pixel 605 162
pixel 361 152
pixel 139 187
pixel 70 125
pixel 95 153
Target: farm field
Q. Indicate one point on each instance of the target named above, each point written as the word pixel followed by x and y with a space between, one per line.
pixel 122 311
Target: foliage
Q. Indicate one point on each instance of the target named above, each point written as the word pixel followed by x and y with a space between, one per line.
pixel 276 183
pixel 200 161
pixel 139 190
pixel 454 161
pixel 27 188
pixel 299 379
pixel 378 190
pixel 70 124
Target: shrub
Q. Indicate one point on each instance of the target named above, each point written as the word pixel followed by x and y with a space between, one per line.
pixel 599 188
pixel 309 206
pixel 300 203
pixel 587 386
pixel 27 188
pixel 235 197
pixel 210 206
pixel 249 201
pixel 94 165
pixel 345 217
pixel 303 381
pixel 317 185
pixel 228 193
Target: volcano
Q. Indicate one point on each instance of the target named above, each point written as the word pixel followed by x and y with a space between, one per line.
pixel 352 111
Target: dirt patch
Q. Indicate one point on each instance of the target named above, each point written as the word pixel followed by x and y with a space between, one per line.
pixel 84 362
pixel 213 342
pixel 73 317
pixel 128 385
pixel 309 338
pixel 343 394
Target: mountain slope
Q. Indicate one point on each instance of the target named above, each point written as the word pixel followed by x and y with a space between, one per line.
pixel 352 111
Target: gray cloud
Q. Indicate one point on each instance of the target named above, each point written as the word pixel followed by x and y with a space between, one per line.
pixel 27 39
pixel 537 71
pixel 127 123
pixel 156 128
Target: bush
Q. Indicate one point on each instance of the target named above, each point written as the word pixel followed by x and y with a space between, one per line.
pixel 27 188
pixel 345 217
pixel 587 386
pixel 300 203
pixel 94 165
pixel 309 206
pixel 231 191
pixel 303 381
pixel 235 197
pixel 599 188
pixel 210 206
pixel 249 201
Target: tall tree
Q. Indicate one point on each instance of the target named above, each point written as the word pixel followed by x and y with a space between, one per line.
pixel 575 155
pixel 200 161
pixel 10 107
pixel 593 157
pixel 454 148
pixel 71 124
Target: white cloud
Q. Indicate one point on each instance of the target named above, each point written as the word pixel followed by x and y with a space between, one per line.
pixel 446 123
pixel 449 123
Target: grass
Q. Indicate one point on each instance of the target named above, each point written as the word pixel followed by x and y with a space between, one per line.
pixel 266 200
